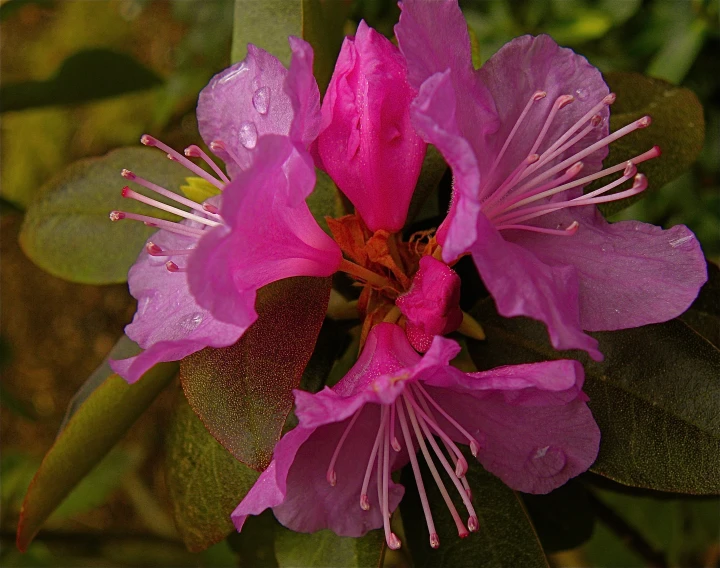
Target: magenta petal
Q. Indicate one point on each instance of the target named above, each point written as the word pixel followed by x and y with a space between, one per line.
pixel 169 324
pixel 264 239
pixel 367 131
pixel 530 64
pixel 522 285
pixel 242 103
pixel 304 94
pixel 630 273
pixel 531 421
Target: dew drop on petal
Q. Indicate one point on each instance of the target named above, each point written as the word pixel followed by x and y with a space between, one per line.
pixel 581 94
pixel 190 322
pixel 547 461
pixel 261 100
pixel 248 135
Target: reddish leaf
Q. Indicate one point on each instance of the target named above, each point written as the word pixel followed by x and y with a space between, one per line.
pixel 243 393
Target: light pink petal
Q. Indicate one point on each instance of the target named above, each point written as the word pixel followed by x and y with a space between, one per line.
pixel 522 285
pixel 168 324
pixel 302 88
pixel 630 273
pixel 367 132
pixel 514 74
pixel 242 103
pixel 265 239
pixel 532 435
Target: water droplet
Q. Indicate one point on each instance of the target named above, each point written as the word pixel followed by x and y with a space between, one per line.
pixel 190 322
pixel 546 461
pixel 681 241
pixel 242 68
pixel 581 94
pixel 248 135
pixel 261 100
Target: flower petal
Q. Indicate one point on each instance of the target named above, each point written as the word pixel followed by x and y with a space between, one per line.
pixel 301 87
pixel 169 324
pixel 243 102
pixel 532 435
pixel 522 285
pixel 265 239
pixel 630 273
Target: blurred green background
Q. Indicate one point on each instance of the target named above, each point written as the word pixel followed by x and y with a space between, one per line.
pixel 80 77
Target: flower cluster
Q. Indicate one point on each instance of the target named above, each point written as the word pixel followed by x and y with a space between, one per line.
pixel 523 136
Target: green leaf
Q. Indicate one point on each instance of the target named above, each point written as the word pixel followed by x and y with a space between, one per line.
pixel 506 536
pixel 11 7
pixel 325 200
pixel 422 206
pixel 655 397
pixel 84 76
pixel 198 189
pixel 243 393
pixel 674 60
pixel 66 230
pixel 678 127
pixel 704 314
pixel 268 24
pixel 205 481
pixel 325 548
pixel 90 434
pixel 563 518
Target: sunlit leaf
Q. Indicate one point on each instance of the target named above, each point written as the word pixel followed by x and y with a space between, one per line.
pixel 506 537
pixel 678 128
pixel 84 76
pixel 90 434
pixel 67 231
pixel 655 397
pixel 243 393
pixel 198 189
pixel 676 57
pixel 205 481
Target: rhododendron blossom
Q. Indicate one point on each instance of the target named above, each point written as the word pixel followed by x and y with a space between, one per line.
pixel 524 134
pixel 527 424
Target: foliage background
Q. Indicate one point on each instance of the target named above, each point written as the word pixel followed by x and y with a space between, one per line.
pixel 54 333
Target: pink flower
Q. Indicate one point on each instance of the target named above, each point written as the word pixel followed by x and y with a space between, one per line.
pixel 367 144
pixel 196 281
pixel 527 424
pixel 523 135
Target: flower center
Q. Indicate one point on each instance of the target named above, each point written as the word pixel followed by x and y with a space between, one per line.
pixel 415 412
pixel 524 194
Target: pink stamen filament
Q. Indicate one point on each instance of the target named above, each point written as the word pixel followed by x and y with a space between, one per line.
pixel 393 439
pixel 160 223
pixel 538 95
pixel 127 174
pixel 130 194
pixel 148 140
pixel 154 250
pixel 390 537
pixel 197 152
pixel 434 539
pixel 509 183
pixel 462 530
pixel 220 146
pixel 549 157
pixel 364 501
pixel 569 232
pixel 560 102
pixel 331 475
pixel 473 443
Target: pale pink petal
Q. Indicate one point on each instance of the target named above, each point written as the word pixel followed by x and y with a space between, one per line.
pixel 630 273
pixel 367 131
pixel 265 239
pixel 522 285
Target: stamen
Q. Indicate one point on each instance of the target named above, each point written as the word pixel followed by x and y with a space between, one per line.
pixel 127 174
pixel 462 531
pixel 196 152
pixel 153 250
pixel 537 96
pixel 392 539
pixel 129 193
pixel 172 267
pixel 393 440
pixel 148 140
pixel 160 223
pixel 569 232
pixel 561 102
pixel 508 184
pixel 473 443
pixel 220 146
pixel 434 540
pixel 364 501
pixel 331 475
pixel 210 208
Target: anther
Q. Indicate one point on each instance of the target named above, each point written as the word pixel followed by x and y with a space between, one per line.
pixel 196 152
pixel 539 95
pixel 609 99
pixel 473 524
pixel 564 100
pixel 596 121
pixel 630 169
pixel 172 267
pixel 152 249
pixel 364 502
pixel 332 478
pixel 434 540
pixel 640 182
pixel 148 140
pixel 643 122
pixel 127 174
pixel 116 215
pixel 393 541
pixel 210 208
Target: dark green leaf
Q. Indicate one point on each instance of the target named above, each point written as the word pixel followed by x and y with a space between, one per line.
pixel 10 7
pixel 678 127
pixel 563 518
pixel 422 206
pixel 655 397
pixel 84 76
pixel 205 481
pixel 674 60
pixel 325 200
pixel 704 315
pixel 90 434
pixel 67 231
pixel 243 393
pixel 506 536
pixel 325 548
